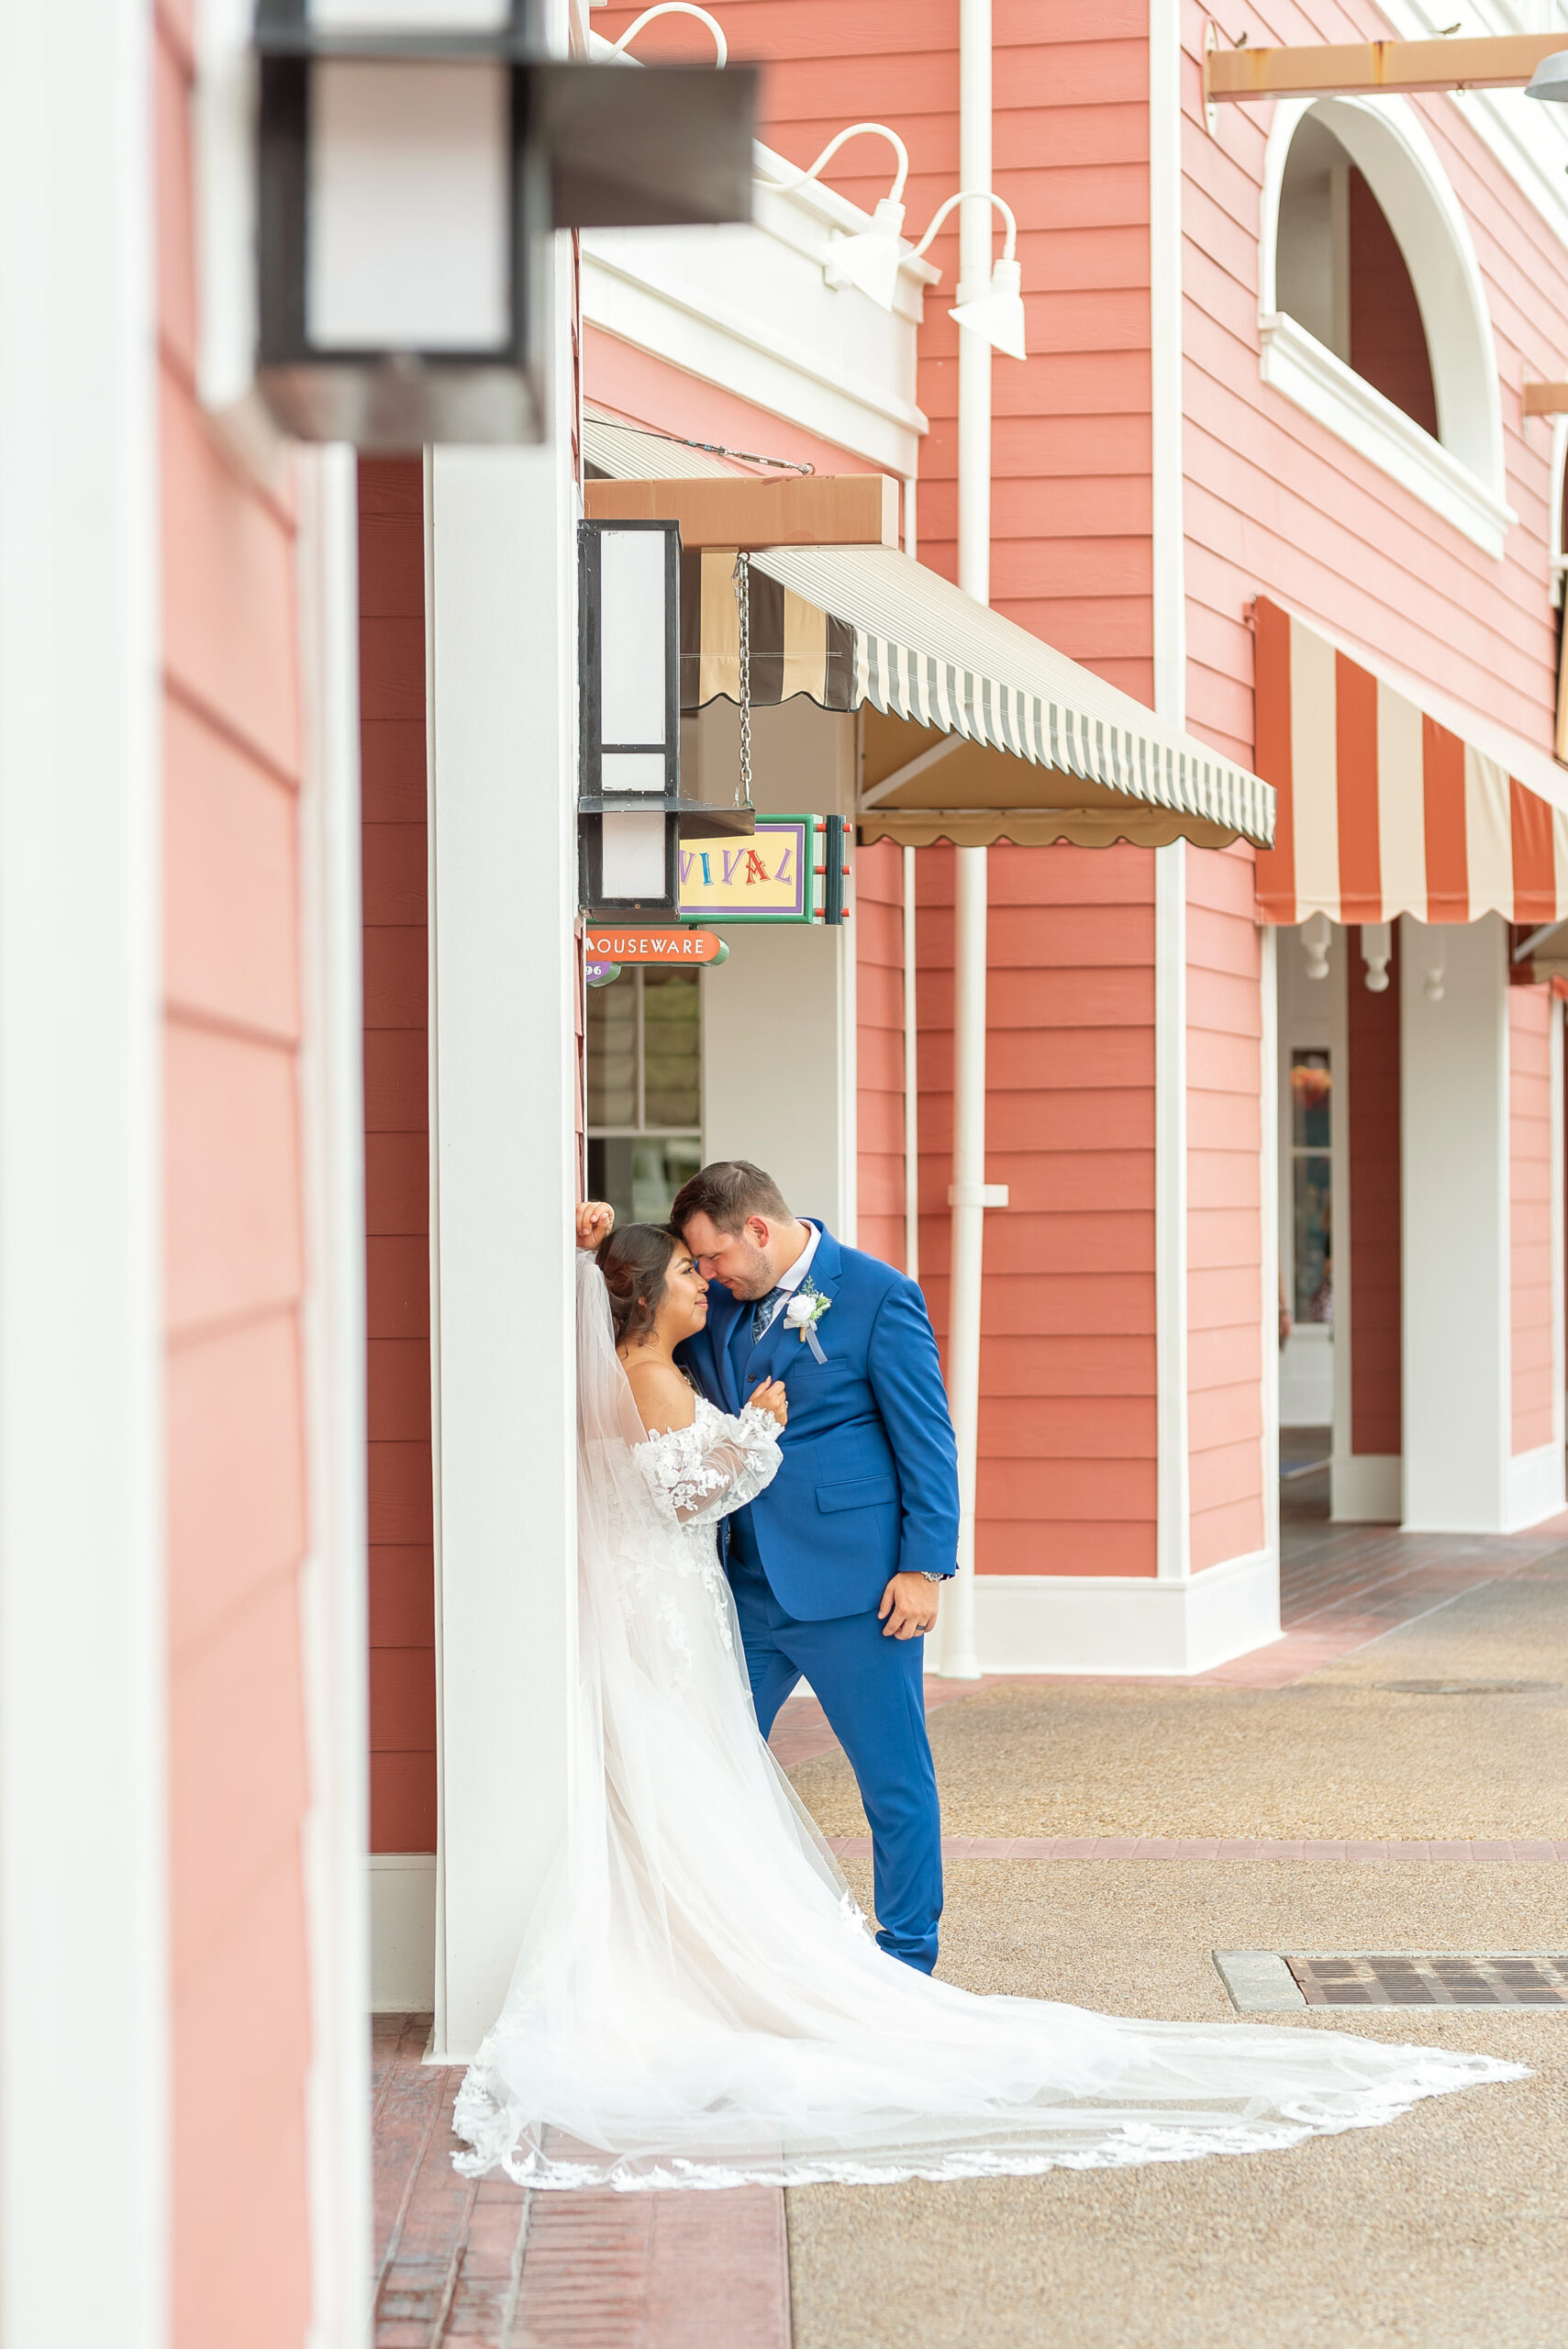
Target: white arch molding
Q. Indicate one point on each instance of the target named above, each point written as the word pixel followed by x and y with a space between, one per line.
pixel 1461 475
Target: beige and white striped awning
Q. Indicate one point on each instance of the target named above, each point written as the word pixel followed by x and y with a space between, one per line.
pixel 975 729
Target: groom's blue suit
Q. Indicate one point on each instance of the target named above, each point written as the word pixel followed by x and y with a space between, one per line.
pixel 868 1488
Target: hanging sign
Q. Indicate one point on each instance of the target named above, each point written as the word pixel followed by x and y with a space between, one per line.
pixel 766 878
pixel 792 869
pixel 604 943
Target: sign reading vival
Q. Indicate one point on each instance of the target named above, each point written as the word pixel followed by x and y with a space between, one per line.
pixel 769 877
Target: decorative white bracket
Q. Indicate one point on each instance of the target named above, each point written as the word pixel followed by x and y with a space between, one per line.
pixel 1432 986
pixel 1377 946
pixel 1317 936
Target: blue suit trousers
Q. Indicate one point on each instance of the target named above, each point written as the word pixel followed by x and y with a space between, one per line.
pixel 872 1691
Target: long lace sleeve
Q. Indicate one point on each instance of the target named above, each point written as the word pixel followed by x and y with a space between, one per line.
pixel 702 1473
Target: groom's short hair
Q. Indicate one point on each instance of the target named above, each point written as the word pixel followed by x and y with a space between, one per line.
pixel 728 1192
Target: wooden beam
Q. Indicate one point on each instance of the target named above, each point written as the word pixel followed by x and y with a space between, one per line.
pixel 1546 399
pixel 735 510
pixel 1365 68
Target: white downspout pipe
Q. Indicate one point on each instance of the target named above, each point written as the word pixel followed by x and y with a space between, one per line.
pixel 911 1082
pixel 960 1660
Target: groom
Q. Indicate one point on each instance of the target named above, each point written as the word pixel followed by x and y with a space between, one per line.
pixel 836 1566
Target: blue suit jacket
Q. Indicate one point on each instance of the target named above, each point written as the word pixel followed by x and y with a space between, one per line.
pixel 868 1487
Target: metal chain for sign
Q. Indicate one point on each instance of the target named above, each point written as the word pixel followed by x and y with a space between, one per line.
pixel 742 577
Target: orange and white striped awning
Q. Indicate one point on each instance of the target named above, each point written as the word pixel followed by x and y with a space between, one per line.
pixel 1383 810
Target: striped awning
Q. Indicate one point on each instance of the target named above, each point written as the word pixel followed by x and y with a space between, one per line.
pixel 1391 802
pixel 985 733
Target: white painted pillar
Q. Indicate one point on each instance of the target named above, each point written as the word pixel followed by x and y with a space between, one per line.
pixel 1454 1194
pixel 502 603
pixel 84 1604
pixel 333 1608
pixel 1268 1206
pixel 1173 1544
pixel 959 1659
pixel 911 1080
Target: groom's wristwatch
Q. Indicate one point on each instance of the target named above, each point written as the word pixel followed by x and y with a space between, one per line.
pixel 925 1576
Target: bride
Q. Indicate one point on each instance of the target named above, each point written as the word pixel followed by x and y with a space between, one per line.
pixel 699 2000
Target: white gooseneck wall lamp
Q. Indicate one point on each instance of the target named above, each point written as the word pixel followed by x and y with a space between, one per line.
pixel 675 8
pixel 997 314
pixel 870 260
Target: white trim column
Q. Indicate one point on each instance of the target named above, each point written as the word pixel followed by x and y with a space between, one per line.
pixel 333 1610
pixel 84 1788
pixel 1167 396
pixel 1454 1194
pixel 503 658
pixel 1268 1204
pixel 1173 1480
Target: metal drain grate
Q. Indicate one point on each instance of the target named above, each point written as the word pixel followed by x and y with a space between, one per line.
pixel 1444 1979
pixel 1285 1981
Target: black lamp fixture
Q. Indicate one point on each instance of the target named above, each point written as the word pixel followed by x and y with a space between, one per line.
pixel 409 174
pixel 631 813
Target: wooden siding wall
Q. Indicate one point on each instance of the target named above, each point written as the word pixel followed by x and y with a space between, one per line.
pixel 877 927
pixel 397 1201
pixel 1067 1423
pixel 1530 1014
pixel 1225 1300
pixel 1372 1036
pixel 233 1187
pixel 1070 449
pixel 1274 500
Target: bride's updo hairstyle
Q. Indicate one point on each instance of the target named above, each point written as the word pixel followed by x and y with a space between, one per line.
pixel 634 1262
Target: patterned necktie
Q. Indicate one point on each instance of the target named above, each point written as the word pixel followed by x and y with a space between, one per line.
pixel 763 1317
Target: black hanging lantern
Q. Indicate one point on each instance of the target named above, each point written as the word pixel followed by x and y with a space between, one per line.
pixel 407 178
pixel 631 813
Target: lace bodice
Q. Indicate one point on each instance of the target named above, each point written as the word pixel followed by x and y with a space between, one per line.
pixel 701 1472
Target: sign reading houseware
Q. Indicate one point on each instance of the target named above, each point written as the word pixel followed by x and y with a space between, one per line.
pixel 765 878
pixel 604 943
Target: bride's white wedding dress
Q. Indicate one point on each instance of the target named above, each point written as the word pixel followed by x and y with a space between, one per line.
pixel 699 2000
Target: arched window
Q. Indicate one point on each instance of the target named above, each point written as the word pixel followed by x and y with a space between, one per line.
pixel 1374 310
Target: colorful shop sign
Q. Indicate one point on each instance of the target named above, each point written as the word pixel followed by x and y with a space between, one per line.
pixel 767 877
pixel 606 943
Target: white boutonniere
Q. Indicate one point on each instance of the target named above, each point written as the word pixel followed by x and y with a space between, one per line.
pixel 803 1313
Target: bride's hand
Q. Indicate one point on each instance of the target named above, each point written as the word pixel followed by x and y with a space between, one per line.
pixel 771 1397
pixel 596 1222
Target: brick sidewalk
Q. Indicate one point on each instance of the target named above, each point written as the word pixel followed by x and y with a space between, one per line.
pixel 467 2263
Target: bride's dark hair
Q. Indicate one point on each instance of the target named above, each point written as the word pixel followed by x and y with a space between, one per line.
pixel 634 1261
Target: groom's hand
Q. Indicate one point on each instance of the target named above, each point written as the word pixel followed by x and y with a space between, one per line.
pixel 909 1607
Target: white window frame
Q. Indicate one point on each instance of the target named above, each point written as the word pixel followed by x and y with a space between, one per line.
pixel 1461 475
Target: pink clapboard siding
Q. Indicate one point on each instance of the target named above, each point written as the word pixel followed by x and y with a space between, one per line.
pixel 1530 1013
pixel 636 386
pixel 1070 449
pixel 878 919
pixel 241 2015
pixel 1067 1423
pixel 1275 501
pixel 397 1151
pixel 1224 1209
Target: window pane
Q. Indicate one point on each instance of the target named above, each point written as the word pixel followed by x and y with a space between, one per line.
pixel 612 1054
pixel 1311 1101
pixel 672 1087
pixel 659 1164
pixel 1314 1242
